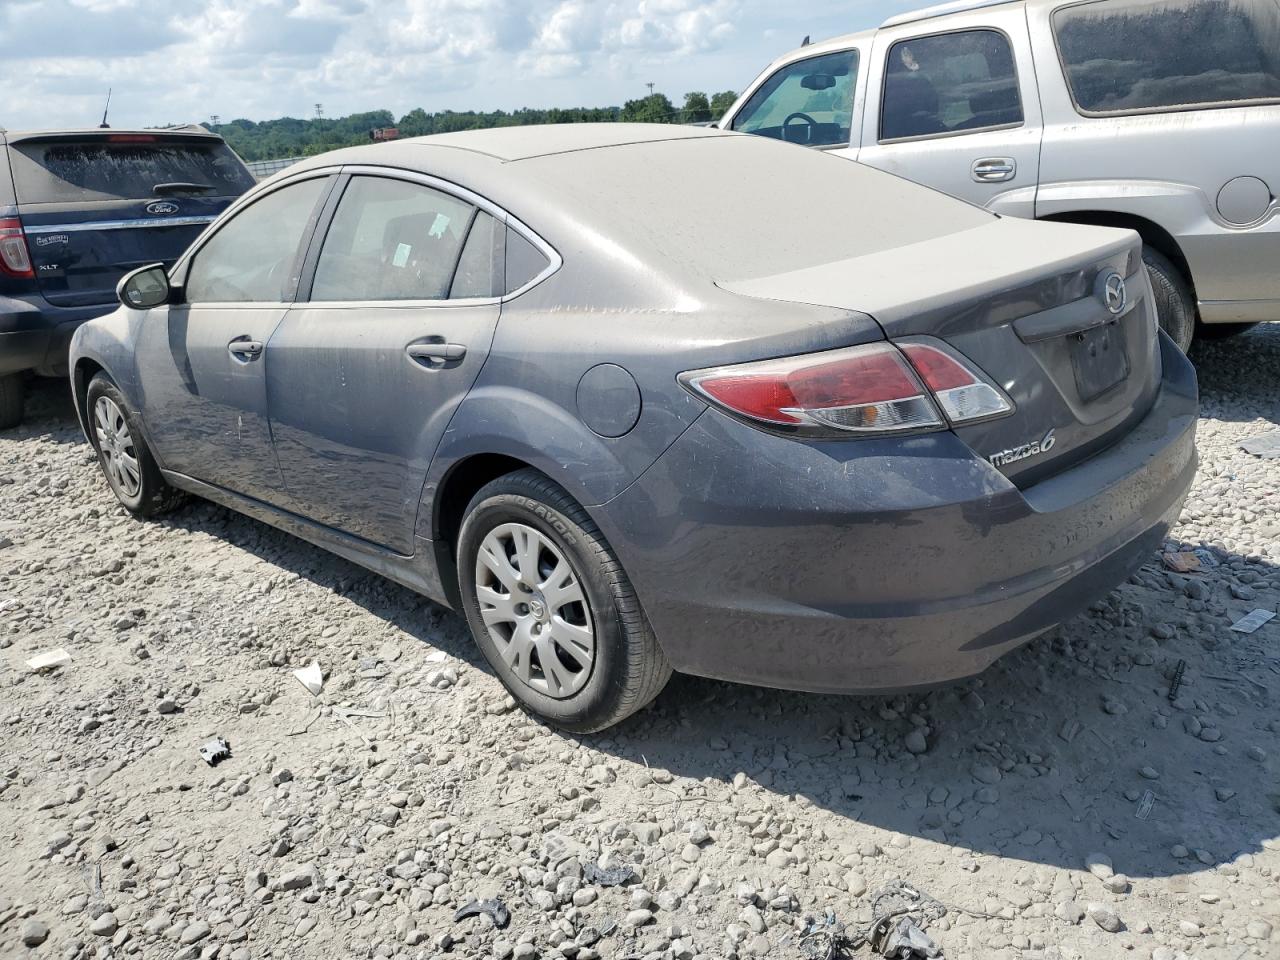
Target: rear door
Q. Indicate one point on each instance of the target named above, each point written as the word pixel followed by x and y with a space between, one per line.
pixel 96 205
pixel 363 379
pixel 953 105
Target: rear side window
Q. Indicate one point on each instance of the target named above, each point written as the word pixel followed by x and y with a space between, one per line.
pixel 254 257
pixel 949 83
pixel 480 266
pixel 1133 56
pixel 809 102
pixel 524 260
pixel 63 171
pixel 391 240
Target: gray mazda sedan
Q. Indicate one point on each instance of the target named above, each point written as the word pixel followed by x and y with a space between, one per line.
pixel 637 399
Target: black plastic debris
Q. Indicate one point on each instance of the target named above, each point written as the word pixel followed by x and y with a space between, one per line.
pixel 215 750
pixel 495 909
pixel 609 876
pixel 1176 684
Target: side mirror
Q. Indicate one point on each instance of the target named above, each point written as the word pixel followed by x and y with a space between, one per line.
pixel 818 81
pixel 145 288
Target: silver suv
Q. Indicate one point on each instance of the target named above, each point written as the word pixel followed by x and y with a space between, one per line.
pixel 1158 115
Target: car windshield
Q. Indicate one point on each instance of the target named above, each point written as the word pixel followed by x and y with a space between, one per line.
pixel 124 167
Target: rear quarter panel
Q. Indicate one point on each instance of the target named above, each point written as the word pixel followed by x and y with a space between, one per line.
pixel 1165 167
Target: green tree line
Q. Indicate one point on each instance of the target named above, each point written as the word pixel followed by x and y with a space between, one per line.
pixel 292 137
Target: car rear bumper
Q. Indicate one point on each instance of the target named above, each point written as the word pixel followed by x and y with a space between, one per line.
pixel 35 334
pixel 878 565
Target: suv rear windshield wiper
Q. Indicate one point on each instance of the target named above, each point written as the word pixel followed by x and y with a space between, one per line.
pixel 163 188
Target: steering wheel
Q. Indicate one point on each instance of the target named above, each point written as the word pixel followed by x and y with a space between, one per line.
pixel 798 116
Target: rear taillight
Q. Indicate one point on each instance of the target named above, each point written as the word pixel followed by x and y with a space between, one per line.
pixel 961 393
pixel 862 390
pixel 857 390
pixel 15 260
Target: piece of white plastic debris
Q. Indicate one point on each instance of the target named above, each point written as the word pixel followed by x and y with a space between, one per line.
pixel 1253 621
pixel 49 660
pixel 438 656
pixel 311 678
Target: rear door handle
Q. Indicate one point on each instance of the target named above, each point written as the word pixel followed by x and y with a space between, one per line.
pixel 436 353
pixel 994 169
pixel 245 349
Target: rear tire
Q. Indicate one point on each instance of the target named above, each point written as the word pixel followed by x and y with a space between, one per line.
pixel 1175 303
pixel 126 461
pixel 603 661
pixel 13 397
pixel 1221 331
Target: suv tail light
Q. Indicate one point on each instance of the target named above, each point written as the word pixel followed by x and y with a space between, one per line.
pixel 963 395
pixel 870 389
pixel 15 260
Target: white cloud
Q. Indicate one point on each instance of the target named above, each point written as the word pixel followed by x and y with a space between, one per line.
pixel 176 60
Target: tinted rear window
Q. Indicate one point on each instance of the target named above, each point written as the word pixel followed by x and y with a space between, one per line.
pixel 61 171
pixel 1129 56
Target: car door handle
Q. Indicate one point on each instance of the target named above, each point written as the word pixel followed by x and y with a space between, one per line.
pixel 245 349
pixel 994 169
pixel 436 353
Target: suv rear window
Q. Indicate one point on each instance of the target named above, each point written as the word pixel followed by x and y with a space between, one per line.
pixel 1135 56
pixel 61 171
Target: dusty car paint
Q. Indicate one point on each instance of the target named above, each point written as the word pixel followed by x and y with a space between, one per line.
pixel 861 563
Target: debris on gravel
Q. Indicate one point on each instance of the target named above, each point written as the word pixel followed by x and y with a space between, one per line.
pixel 1063 805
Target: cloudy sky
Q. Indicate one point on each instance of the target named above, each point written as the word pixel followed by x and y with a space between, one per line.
pixel 179 60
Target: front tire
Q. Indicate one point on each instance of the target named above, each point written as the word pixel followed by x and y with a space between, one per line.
pixel 551 608
pixel 126 461
pixel 1175 303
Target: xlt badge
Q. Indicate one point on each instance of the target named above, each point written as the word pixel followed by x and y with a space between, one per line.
pixel 1014 454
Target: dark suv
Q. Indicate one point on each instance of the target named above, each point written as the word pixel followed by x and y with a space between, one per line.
pixel 78 210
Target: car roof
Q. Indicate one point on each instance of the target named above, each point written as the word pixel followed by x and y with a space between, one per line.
pixel 194 131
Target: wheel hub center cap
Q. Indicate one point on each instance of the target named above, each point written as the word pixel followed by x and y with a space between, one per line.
pixel 538 607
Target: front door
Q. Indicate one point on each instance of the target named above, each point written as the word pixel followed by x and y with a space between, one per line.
pixel 200 361
pixel 958 110
pixel 363 378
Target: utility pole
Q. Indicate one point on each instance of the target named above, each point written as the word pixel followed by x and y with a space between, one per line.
pixel 650 86
pixel 214 119
pixel 319 111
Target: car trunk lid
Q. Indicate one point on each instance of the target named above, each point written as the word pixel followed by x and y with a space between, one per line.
pixel 96 205
pixel 1026 303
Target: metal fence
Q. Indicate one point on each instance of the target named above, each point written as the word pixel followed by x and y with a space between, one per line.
pixel 262 169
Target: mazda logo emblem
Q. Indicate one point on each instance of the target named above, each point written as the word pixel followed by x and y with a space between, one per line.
pixel 1112 292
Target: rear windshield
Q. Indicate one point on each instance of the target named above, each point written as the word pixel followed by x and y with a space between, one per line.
pixel 1133 56
pixel 59 171
pixel 738 207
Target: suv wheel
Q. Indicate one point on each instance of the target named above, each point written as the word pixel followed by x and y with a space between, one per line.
pixel 13 394
pixel 551 608
pixel 1175 303
pixel 126 461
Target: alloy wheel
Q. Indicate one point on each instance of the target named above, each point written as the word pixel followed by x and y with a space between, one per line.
pixel 535 609
pixel 115 443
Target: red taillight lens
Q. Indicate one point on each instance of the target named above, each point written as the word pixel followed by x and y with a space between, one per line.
pixel 858 390
pixel 131 138
pixel 961 393
pixel 15 260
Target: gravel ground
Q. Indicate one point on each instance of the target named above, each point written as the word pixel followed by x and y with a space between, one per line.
pixel 1058 806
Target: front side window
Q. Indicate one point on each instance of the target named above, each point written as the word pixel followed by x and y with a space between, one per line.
pixel 392 240
pixel 1133 56
pixel 949 83
pixel 809 102
pixel 254 257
